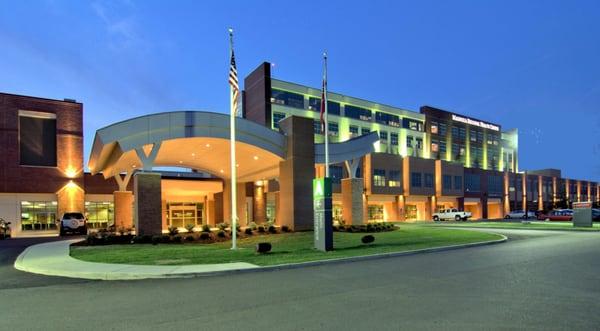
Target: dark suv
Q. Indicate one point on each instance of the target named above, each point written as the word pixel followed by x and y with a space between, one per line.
pixel 74 223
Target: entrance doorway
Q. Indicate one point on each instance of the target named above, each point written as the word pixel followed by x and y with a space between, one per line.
pixel 180 214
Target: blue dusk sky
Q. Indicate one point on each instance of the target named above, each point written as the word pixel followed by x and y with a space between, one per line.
pixel 533 65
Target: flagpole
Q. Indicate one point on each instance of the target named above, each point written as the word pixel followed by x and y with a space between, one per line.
pixel 233 105
pixel 326 115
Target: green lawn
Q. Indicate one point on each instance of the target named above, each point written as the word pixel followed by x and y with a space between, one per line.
pixel 534 225
pixel 287 248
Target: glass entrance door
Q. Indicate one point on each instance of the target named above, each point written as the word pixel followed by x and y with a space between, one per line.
pixel 180 214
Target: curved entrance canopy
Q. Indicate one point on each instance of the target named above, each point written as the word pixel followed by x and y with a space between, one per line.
pixel 191 139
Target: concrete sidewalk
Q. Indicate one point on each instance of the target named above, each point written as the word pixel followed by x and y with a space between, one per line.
pixel 53 259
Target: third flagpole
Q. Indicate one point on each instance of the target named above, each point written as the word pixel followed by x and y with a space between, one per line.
pixel 234 93
pixel 326 125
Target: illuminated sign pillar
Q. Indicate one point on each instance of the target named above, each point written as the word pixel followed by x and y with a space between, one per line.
pixel 323 217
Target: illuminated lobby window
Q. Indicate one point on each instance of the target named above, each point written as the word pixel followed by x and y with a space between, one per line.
pixel 99 215
pixel 38 215
pixel 379 177
pixel 394 178
pixel 180 214
pixel 376 213
pixel 410 212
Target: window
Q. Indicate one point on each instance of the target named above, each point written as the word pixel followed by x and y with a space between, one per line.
pixel 434 145
pixel 495 185
pixel 442 146
pixel 357 113
pixel 375 213
pixel 473 135
pixel 383 135
pixel 419 142
pixel 455 132
pixel 287 98
pixel 365 130
pixel 337 173
pixel 415 179
pixel 387 119
pixel 394 178
pixel 379 177
pixel 394 139
pixel 409 140
pixel 180 214
pixel 333 128
pixel 99 215
pixel 38 215
pixel 37 139
pixel 434 128
pixel 458 182
pixel 442 129
pixel 276 118
pixel 472 183
pixel 429 180
pixel 462 133
pixel 317 127
pixel 333 108
pixel 446 182
pixel 411 124
pixel 353 130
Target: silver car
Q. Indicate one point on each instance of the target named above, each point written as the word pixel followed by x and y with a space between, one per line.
pixel 73 223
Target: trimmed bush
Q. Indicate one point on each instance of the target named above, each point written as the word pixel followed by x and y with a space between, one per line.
pixel 189 238
pixel 190 227
pixel 272 229
pixel 285 228
pixel 252 226
pixel 204 236
pixel 177 239
pixel 165 239
pixel 221 234
pixel 206 228
pixel 263 248
pixel 156 240
pixel 222 226
pixel 173 230
pixel 146 239
pixel 368 239
pixel 248 231
pixel 350 229
pixel 261 229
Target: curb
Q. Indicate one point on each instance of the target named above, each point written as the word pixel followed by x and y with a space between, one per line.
pixel 123 275
pixel 533 229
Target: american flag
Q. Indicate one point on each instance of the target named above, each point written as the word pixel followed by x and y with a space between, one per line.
pixel 233 82
pixel 323 103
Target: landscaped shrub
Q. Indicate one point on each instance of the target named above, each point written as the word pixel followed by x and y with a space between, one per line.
pixel 190 227
pixel 146 239
pixel 252 226
pixel 272 229
pixel 177 239
pixel 263 248
pixel 248 231
pixel 222 226
pixel 189 238
pixel 261 229
pixel 206 228
pixel 367 239
pixel 370 227
pixel 156 239
pixel 221 234
pixel 173 230
pixel 350 228
pixel 165 239
pixel 285 228
pixel 204 236
pixel 137 240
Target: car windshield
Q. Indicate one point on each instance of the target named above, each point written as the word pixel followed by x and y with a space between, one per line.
pixel 70 216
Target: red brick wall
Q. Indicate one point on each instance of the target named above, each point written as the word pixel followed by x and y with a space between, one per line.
pixel 69 145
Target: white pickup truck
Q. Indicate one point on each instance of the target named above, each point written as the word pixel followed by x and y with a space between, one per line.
pixel 451 214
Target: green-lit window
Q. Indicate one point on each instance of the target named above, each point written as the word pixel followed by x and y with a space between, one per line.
pixel 277 116
pixel 365 130
pixel 38 215
pixel 411 124
pixel 409 141
pixel 333 128
pixel 357 113
pixel 387 119
pixel 394 139
pixel 287 98
pixel 379 177
pixel 354 130
pixel 317 127
pixel 383 135
pixel 99 215
pixel 333 107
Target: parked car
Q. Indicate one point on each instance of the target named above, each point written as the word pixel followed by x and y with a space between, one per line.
pixel 451 214
pixel 519 214
pixel 73 223
pixel 556 215
pixel 596 215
